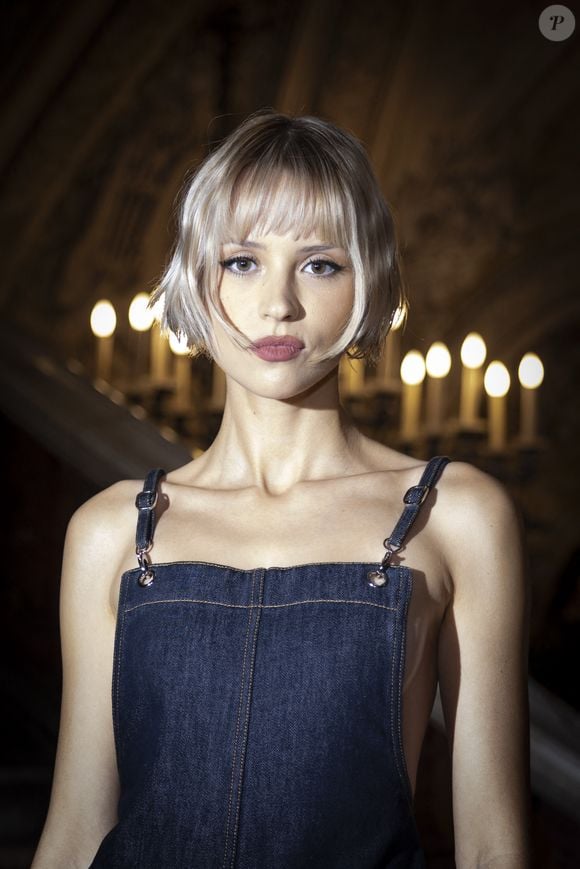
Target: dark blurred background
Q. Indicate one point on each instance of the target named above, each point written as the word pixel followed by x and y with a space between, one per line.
pixel 471 117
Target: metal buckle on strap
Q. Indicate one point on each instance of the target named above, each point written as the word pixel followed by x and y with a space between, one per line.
pixel 416 495
pixel 147 574
pixel 378 577
pixel 146 500
pixel 391 549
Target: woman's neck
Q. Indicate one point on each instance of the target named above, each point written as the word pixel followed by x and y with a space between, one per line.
pixel 273 444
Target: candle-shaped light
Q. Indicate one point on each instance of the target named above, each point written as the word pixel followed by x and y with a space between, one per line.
pixel 140 319
pixel 103 325
pixel 497 384
pixel 140 316
pixel 531 375
pixel 179 347
pixel 412 375
pixel 159 347
pixel 473 353
pixel 438 364
pixel 389 365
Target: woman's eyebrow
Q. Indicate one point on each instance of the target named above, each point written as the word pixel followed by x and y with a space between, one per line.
pixel 246 242
pixel 314 247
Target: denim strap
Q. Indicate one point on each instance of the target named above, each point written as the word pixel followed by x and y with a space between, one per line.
pixel 413 499
pixel 145 503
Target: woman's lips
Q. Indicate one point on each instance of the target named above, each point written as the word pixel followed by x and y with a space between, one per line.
pixel 277 349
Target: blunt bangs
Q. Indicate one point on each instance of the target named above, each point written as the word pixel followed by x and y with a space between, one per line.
pixel 274 200
pixel 282 175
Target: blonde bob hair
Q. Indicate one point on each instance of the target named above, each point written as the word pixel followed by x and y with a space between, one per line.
pixel 280 174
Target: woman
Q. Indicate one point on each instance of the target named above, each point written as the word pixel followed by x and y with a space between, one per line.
pixel 275 647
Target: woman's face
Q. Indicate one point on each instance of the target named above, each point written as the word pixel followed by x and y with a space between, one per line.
pixel 277 286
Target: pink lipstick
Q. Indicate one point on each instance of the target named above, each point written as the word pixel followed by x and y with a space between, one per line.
pixel 277 348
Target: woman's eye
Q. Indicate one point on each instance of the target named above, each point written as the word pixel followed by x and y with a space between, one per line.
pixel 323 267
pixel 239 265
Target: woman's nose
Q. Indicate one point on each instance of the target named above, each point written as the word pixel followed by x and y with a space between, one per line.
pixel 278 299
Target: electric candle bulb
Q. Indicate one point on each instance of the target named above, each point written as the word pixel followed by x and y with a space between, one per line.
pixel 412 375
pixel 496 380
pixel 438 360
pixel 103 319
pixel 413 368
pixel 531 371
pixel 497 384
pixel 140 316
pixel 473 353
pixel 438 364
pixel 103 322
pixel 531 375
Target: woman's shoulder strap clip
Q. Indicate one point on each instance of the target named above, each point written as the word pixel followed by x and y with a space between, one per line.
pixel 145 502
pixel 412 499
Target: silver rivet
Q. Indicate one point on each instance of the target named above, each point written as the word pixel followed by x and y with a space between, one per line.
pixel 146 578
pixel 376 578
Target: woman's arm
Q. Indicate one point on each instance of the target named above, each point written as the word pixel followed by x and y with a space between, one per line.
pixel 85 786
pixel 483 671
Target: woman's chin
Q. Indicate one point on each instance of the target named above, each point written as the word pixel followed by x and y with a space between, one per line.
pixel 283 386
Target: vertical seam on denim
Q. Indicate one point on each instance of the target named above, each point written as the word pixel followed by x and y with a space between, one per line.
pixel 396 707
pixel 409 589
pixel 236 732
pixel 392 680
pixel 117 666
pixel 246 722
pixel 398 734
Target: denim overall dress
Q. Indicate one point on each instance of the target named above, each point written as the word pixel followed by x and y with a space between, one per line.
pixel 257 713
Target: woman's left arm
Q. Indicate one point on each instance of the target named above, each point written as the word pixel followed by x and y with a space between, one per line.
pixel 482 663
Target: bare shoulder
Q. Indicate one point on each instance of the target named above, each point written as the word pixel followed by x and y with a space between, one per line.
pixel 469 495
pixel 100 536
pixel 477 521
pixel 106 509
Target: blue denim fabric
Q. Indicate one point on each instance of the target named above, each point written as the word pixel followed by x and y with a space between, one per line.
pixel 257 718
pixel 257 713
